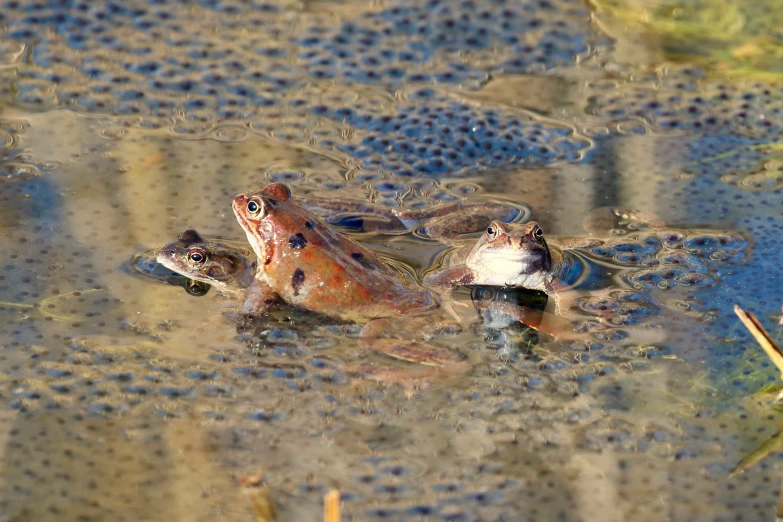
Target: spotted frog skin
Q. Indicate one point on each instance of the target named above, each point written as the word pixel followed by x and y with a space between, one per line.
pixel 305 262
pixel 220 265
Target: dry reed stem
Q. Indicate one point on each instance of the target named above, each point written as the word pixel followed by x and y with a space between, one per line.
pixel 332 506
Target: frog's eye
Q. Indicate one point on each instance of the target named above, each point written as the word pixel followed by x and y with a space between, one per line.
pixel 492 232
pixel 197 257
pixel 538 233
pixel 255 208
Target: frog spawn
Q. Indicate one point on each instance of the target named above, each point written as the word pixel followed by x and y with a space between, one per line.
pixel 458 136
pixel 15 163
pixel 685 98
pixel 673 263
pixel 269 85
pixel 668 258
pixel 734 125
pixel 410 43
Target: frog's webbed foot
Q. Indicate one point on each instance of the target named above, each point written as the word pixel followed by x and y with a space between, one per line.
pixel 448 303
pixel 449 306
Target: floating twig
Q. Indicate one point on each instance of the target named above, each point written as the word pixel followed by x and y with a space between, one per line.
pixel 762 337
pixel 772 350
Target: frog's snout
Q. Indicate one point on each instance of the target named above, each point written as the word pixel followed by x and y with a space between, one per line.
pixel 240 200
pixel 239 204
pixel 165 257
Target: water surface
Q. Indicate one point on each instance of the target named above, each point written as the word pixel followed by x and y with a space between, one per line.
pixel 125 398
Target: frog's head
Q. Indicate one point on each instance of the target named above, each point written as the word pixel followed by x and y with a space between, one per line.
pixel 262 216
pixel 202 260
pixel 509 254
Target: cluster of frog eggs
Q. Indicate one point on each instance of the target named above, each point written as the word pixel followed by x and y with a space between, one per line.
pixel 422 42
pixel 444 136
pixel 670 258
pixel 412 192
pixel 683 100
pixel 15 163
pixel 105 459
pixel 750 164
pixel 736 125
pixel 664 260
pixel 383 47
pixel 145 64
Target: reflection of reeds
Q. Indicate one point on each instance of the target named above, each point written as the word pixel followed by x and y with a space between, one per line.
pixel 332 506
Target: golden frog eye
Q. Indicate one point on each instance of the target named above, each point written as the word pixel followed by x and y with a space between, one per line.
pixel 256 209
pixel 492 232
pixel 538 233
pixel 197 257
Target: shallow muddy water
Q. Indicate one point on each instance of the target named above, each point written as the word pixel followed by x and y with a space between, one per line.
pixel 126 397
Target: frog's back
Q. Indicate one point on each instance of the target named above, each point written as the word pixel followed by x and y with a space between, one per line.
pixel 311 265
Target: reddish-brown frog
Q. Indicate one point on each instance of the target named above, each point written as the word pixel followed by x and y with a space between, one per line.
pixel 305 262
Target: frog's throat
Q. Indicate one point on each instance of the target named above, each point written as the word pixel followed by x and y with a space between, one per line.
pixel 534 260
pixel 260 240
pixel 252 231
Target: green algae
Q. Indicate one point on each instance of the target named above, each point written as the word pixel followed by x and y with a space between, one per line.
pixel 729 37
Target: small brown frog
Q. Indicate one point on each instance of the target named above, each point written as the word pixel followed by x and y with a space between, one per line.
pixel 506 255
pixel 225 267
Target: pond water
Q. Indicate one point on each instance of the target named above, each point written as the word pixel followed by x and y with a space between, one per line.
pixel 123 123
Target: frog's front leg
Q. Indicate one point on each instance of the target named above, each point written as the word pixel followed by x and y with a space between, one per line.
pixel 259 297
pixel 442 283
